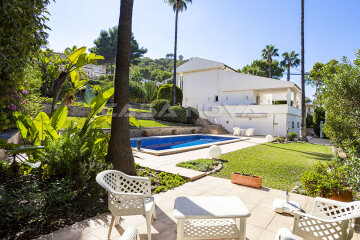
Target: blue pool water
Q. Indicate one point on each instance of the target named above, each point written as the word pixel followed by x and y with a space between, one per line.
pixel 163 143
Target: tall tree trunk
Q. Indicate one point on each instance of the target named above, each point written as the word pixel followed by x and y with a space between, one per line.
pixel 175 51
pixel 58 85
pixel 288 73
pixel 303 106
pixel 119 152
pixel 270 69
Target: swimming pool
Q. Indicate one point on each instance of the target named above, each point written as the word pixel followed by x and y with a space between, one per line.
pixel 172 144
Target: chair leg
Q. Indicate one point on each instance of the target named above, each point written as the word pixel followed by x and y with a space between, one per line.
pixel 111 226
pixel 148 225
pixel 154 213
pixel 117 220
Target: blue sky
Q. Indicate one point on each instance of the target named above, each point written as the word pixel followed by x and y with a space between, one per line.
pixel 230 31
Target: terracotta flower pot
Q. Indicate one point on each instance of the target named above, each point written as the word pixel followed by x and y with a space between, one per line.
pixel 345 197
pixel 254 181
pixel 145 134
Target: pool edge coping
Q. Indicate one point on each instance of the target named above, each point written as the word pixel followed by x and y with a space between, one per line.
pixel 190 148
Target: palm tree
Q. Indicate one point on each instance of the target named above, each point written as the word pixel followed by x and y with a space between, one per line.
pixel 268 53
pixel 303 107
pixel 290 60
pixel 119 152
pixel 178 6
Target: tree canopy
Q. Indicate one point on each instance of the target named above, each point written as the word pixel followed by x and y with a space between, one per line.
pixel 106 43
pixel 261 68
pixel 23 32
pixel 154 69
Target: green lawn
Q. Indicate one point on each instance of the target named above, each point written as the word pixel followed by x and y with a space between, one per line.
pixel 279 164
pixel 143 123
pixel 139 110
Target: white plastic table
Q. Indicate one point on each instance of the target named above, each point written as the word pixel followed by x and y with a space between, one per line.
pixel 210 217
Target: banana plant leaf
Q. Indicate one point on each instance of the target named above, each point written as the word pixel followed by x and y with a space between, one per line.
pixel 25 149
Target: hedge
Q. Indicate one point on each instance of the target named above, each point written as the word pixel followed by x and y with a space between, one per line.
pixel 165 92
pixel 159 108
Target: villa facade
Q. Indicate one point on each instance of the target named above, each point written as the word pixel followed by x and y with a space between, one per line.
pixel 232 99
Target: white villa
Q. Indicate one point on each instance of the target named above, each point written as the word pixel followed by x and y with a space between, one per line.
pixel 232 99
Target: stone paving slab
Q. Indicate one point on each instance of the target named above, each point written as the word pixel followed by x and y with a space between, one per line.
pixel 168 163
pixel 263 223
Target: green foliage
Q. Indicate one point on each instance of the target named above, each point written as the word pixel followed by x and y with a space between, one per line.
pixel 34 131
pixel 192 115
pixel 177 114
pixel 151 91
pixel 340 96
pixel 309 121
pixel 324 180
pixel 106 44
pixel 261 68
pixel 202 165
pixel 319 115
pixel 137 92
pixel 64 187
pixel 161 181
pixel 292 136
pixel 159 108
pixel 157 70
pixel 27 18
pixel 279 139
pixel 165 92
pixel 290 60
pixel 320 73
pixel 77 155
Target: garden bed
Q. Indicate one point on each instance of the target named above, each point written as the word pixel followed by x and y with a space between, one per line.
pixel 202 165
pixel 32 207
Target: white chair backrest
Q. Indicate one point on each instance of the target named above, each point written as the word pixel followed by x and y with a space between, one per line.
pixel 120 182
pixel 236 131
pixel 339 211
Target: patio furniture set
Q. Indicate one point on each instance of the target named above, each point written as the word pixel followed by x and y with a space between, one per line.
pixel 243 132
pixel 219 217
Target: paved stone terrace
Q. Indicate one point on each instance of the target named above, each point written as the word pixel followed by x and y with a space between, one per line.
pixel 168 163
pixel 263 223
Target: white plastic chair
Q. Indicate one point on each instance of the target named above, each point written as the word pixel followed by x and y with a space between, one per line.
pixel 329 219
pixel 236 131
pixel 131 233
pixel 250 132
pixel 127 195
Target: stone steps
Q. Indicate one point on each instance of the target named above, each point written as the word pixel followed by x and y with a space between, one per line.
pixel 213 129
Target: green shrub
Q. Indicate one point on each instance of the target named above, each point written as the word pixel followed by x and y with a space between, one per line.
pixel 309 121
pixel 137 92
pixel 276 102
pixel 77 156
pixel 280 139
pixel 319 115
pixel 176 114
pixel 159 108
pixel 165 92
pixel 292 136
pixel 324 180
pixel 192 115
pixel 202 165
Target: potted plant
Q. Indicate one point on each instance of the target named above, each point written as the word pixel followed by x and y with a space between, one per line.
pixel 246 179
pixel 193 131
pixel 175 132
pixel 327 181
pixel 145 133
